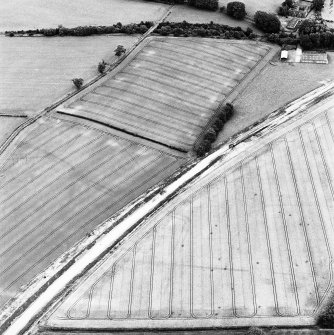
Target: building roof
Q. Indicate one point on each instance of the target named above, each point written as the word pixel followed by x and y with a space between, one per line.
pixel 284 54
pixel 314 57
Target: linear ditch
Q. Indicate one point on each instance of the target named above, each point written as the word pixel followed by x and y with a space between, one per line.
pixel 124 131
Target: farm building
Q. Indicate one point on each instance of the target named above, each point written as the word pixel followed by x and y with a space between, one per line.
pixel 294 23
pixel 284 55
pixel 314 57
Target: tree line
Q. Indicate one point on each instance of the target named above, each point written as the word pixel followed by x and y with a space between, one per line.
pixel 203 30
pixel 223 114
pixel 118 28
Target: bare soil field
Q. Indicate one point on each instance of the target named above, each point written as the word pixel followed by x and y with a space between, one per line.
pixel 59 180
pixel 169 90
pixel 29 14
pixel 7 125
pixel 250 242
pixel 35 72
pixel 272 88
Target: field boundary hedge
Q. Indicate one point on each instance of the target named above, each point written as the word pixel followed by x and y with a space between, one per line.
pixel 164 28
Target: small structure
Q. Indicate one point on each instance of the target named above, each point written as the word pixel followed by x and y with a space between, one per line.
pixel 294 23
pixel 316 57
pixel 284 55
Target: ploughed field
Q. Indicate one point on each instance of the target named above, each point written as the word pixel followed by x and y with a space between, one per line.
pixel 59 180
pixel 36 71
pixel 249 243
pixel 170 89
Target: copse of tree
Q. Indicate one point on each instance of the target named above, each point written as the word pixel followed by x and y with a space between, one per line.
pixel 223 113
pixel 78 82
pixel 311 26
pixel 315 35
pixel 267 22
pixel 236 9
pixel 318 5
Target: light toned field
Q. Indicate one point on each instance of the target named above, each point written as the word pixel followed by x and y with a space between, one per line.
pixel 249 243
pixel 171 88
pixel 180 13
pixel 272 88
pixel 7 125
pixel 59 180
pixel 29 14
pixel 35 72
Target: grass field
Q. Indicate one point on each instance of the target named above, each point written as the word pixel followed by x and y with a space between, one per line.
pixel 37 71
pixel 7 125
pixel 194 15
pixel 59 180
pixel 28 14
pixel 169 91
pixel 274 87
pixel 249 243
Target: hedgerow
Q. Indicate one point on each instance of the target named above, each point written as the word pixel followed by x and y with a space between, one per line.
pixel 223 114
pixel 203 30
pixel 166 28
pixel 133 28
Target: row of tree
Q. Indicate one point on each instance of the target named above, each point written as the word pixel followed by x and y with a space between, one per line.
pixel 224 113
pixel 203 30
pixel 133 28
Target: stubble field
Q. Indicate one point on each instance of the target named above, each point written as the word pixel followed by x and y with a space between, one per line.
pixel 171 88
pixel 250 243
pixel 59 180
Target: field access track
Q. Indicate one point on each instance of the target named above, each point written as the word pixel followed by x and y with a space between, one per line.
pixel 250 242
pixel 59 180
pixel 169 90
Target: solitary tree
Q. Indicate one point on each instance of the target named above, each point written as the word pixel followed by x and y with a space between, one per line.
pixel 236 9
pixel 77 82
pixel 102 66
pixel 119 50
